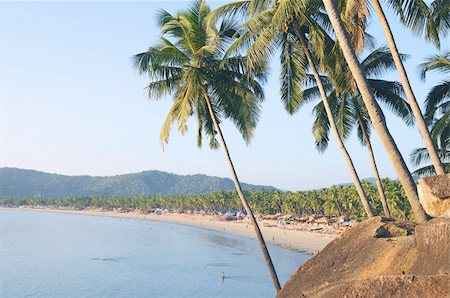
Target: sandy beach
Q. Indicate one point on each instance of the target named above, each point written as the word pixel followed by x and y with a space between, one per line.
pixel 290 239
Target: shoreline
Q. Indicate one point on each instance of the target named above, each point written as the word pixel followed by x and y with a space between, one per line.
pixel 302 241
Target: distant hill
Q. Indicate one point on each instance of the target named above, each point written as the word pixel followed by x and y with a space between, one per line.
pixel 20 183
pixel 369 179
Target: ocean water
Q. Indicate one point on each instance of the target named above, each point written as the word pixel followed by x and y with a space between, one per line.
pixel 64 255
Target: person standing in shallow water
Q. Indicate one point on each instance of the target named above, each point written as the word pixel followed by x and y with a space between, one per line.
pixel 222 276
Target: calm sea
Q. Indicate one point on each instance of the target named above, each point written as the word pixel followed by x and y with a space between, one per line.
pixel 62 255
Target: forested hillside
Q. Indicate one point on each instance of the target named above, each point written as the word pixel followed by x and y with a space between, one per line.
pixel 19 183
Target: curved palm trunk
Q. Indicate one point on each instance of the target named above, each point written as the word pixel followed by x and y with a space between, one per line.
pixel 374 111
pixel 340 144
pixel 259 235
pixel 408 90
pixel 374 167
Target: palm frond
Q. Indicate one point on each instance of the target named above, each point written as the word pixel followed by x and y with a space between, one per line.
pixel 292 73
pixel 430 170
pixel 419 156
pixel 259 5
pixel 440 14
pixel 436 101
pixel 440 127
pixel 159 89
pixel 440 63
pixel 286 13
pixel 250 32
pixel 312 93
pixel 363 119
pixel 164 55
pixel 206 124
pixel 417 16
pixel 391 95
pixel 163 17
pixel 236 9
pixel 425 171
pixel 345 116
pixel 263 47
pixel 379 62
pixel 321 127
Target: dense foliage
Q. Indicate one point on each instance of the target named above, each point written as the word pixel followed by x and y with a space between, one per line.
pixel 333 201
pixel 19 183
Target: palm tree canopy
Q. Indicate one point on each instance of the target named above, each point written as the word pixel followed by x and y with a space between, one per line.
pixel 347 104
pixel 429 20
pixel 437 112
pixel 274 27
pixel 189 64
pixel 437 115
pixel 420 156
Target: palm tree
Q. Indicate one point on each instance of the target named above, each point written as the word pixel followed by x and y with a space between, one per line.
pixel 437 115
pixel 374 110
pixel 285 25
pixel 349 109
pixel 419 157
pixel 189 63
pixel 416 15
pixel 437 112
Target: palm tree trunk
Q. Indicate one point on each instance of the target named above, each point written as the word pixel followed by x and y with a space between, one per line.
pixel 374 167
pixel 249 211
pixel 333 127
pixel 374 111
pixel 408 90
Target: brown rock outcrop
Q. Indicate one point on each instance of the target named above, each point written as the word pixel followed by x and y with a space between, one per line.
pixel 434 195
pixel 379 258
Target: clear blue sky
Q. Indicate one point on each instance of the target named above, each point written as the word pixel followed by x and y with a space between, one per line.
pixel 71 103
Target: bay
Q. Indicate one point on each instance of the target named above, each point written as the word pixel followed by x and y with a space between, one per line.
pixel 65 255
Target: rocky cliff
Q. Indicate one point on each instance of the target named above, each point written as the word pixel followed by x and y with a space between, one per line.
pixel 379 258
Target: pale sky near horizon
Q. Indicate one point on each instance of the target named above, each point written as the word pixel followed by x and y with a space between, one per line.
pixel 71 103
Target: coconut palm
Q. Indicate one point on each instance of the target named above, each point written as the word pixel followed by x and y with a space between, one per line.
pixel 418 16
pixel 189 64
pixel 437 112
pixel 285 25
pixel 374 110
pixel 437 115
pixel 349 110
pixel 419 157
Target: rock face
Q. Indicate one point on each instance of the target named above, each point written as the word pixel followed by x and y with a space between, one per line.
pixel 434 195
pixel 379 258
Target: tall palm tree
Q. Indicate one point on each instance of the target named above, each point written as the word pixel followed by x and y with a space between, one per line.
pixel 437 112
pixel 437 115
pixel 374 110
pixel 189 63
pixel 416 15
pixel 285 25
pixel 349 110
pixel 420 157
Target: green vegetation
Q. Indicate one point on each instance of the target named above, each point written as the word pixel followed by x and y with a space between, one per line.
pixel 437 116
pixel 212 67
pixel 350 111
pixel 333 201
pixel 189 64
pixel 287 25
pixel 19 183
